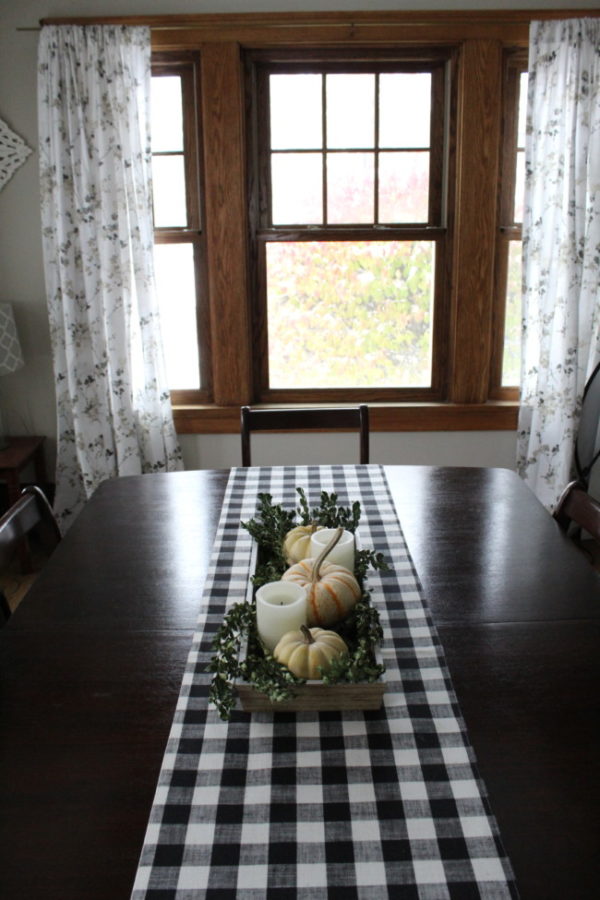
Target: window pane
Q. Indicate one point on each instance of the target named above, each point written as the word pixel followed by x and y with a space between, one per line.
pixel 511 360
pixel 519 186
pixel 350 188
pixel 403 187
pixel 297 191
pixel 167 113
pixel 296 122
pixel 520 162
pixel 350 111
pixel 350 313
pixel 177 302
pixel 521 130
pixel 404 109
pixel 168 180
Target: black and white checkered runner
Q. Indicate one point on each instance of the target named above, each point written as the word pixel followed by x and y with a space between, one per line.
pixel 318 806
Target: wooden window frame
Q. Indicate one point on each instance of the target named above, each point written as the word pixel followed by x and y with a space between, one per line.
pixel 259 65
pixel 463 401
pixel 187 68
pixel 480 39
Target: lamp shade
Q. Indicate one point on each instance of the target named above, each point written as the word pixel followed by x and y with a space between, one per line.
pixel 11 357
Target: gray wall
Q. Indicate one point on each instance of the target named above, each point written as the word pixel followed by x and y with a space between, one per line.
pixel 27 397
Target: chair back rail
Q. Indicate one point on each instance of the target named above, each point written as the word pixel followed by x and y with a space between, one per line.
pixel 345 418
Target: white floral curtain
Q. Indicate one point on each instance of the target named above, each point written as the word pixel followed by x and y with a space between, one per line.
pixel 114 414
pixel 561 247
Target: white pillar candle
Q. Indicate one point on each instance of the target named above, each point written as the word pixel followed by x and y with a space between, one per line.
pixel 280 607
pixel 342 553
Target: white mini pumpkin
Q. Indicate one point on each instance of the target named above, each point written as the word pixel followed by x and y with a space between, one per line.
pixel 331 590
pixel 296 544
pixel 309 653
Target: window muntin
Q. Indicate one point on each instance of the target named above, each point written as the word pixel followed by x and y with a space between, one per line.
pixel 354 294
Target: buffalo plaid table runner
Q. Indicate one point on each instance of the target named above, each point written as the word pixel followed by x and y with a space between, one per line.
pixel 377 804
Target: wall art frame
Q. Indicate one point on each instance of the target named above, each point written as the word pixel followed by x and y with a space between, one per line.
pixel 13 153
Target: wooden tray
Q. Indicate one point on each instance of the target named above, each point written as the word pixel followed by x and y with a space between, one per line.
pixel 315 696
pixel 312 695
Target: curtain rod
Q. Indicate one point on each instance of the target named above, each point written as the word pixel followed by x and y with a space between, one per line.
pixel 342 18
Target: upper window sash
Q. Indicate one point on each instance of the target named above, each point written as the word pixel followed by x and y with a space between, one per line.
pixel 181 242
pixel 191 140
pixel 513 128
pixel 321 155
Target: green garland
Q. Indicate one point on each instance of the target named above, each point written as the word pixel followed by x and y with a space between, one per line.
pixel 361 629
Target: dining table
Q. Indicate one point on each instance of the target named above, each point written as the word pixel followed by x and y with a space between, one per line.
pixel 93 660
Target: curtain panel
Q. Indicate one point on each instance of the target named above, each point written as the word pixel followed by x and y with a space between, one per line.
pixel 561 248
pixel 113 407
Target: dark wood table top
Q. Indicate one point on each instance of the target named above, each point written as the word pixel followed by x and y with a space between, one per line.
pixel 91 665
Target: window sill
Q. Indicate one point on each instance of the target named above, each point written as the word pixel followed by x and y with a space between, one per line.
pixel 496 415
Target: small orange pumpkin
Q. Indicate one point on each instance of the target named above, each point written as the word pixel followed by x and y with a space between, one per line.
pixel 331 590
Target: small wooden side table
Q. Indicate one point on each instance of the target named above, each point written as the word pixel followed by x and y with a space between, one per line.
pixel 19 453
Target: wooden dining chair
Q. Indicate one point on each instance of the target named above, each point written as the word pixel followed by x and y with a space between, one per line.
pixel 30 518
pixel 575 506
pixel 344 418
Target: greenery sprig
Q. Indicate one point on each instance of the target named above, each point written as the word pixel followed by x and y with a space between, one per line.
pixel 365 559
pixel 272 523
pixel 361 629
pixel 258 667
pixel 269 529
pixel 328 514
pixel 362 632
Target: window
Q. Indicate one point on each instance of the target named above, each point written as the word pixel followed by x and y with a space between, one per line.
pixel 179 241
pixel 507 350
pixel 352 231
pixel 349 244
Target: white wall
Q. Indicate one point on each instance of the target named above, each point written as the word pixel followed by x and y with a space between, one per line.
pixel 452 448
pixel 27 397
